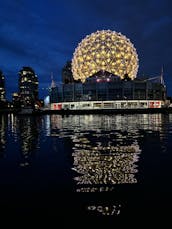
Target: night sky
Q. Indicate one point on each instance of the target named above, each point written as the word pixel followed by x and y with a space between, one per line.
pixel 43 34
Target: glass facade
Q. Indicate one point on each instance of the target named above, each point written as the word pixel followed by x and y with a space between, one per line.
pixel 97 90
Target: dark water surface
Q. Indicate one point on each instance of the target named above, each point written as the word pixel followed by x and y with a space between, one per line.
pixel 99 167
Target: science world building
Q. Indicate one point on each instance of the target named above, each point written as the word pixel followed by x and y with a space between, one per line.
pixel 104 70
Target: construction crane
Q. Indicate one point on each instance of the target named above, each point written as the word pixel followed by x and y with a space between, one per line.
pixel 160 77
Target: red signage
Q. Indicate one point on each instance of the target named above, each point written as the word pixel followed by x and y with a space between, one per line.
pixel 57 106
pixel 154 104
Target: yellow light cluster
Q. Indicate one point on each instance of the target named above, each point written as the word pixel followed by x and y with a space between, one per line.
pixel 96 167
pixel 104 50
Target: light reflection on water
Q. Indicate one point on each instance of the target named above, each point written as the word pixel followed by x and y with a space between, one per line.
pixel 106 150
pixel 2 134
pixel 102 153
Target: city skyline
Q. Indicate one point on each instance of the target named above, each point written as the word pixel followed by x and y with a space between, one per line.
pixel 44 35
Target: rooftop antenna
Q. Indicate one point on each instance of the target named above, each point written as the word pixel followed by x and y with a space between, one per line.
pixel 51 75
pixel 53 84
pixel 162 76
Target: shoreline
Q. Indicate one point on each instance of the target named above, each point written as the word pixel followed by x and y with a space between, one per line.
pixel 110 111
pixel 91 111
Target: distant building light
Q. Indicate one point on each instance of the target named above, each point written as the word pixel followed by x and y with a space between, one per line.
pixel 47 100
pixel 15 94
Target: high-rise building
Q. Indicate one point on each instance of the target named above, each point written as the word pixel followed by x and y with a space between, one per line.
pixel 16 100
pixel 67 76
pixel 28 87
pixel 2 87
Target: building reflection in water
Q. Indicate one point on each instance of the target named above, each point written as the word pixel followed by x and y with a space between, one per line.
pixel 130 123
pixel 29 138
pixel 3 127
pixel 104 165
pixel 102 154
pixel 105 148
pixel 25 130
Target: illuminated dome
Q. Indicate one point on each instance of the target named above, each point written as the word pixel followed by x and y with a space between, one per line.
pixel 104 50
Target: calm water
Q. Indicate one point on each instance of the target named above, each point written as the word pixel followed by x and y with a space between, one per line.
pixel 112 167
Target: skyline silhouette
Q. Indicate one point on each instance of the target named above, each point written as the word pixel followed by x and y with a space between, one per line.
pixel 44 35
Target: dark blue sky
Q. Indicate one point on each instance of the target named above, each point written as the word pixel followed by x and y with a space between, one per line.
pixel 43 34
